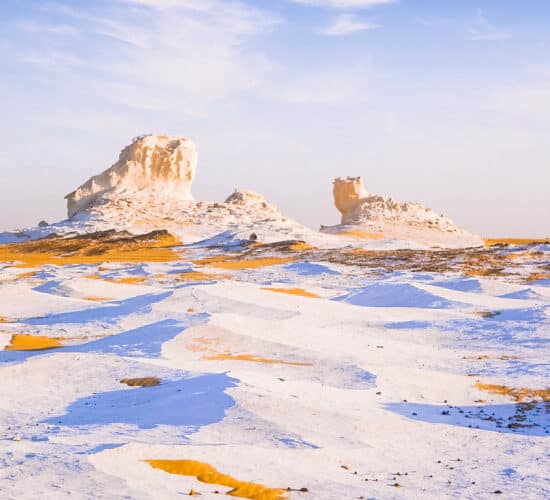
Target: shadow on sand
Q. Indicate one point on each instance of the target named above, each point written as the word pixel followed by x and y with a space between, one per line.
pixel 527 419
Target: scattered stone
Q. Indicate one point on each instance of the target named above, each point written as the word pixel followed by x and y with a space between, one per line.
pixel 141 382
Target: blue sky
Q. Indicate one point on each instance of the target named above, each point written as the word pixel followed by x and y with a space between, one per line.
pixel 442 102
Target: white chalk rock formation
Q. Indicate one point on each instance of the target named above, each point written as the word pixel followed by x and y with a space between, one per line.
pixel 383 217
pixel 159 162
pixel 149 188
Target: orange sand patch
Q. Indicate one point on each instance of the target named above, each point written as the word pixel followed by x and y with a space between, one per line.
pixel 141 382
pixel 479 272
pixel 25 275
pixel 200 276
pixel 356 251
pixel 97 299
pixel 536 277
pixel 364 235
pixel 204 344
pixel 92 276
pixel 293 291
pixel 227 262
pixel 252 359
pixel 23 342
pixel 301 247
pixel 483 357
pixel 520 395
pixel 521 255
pixel 514 241
pixel 205 473
pixel 129 280
pixel 212 347
pixel 108 246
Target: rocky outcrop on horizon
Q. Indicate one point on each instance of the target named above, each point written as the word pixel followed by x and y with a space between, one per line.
pixel 149 188
pixel 382 217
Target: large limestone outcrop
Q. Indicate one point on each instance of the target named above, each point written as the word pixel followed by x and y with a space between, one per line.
pixel 148 189
pixel 386 218
pixel 163 163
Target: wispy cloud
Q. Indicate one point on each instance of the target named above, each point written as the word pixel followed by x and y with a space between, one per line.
pixel 168 54
pixel 346 24
pixel 342 4
pixel 55 29
pixel 482 29
pixel 53 61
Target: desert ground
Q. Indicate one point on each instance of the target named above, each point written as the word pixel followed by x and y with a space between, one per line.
pixel 144 367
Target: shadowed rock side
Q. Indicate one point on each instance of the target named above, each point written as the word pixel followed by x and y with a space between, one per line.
pixel 372 216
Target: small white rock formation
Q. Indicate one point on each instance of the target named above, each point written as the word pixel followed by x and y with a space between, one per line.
pixel 160 162
pixel 251 200
pixel 389 219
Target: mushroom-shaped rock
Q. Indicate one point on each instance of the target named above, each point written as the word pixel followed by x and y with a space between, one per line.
pixel 348 193
pixel 373 214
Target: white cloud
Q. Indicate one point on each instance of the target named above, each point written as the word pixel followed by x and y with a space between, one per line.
pixel 173 55
pixel 342 4
pixel 56 29
pixel 346 24
pixel 482 29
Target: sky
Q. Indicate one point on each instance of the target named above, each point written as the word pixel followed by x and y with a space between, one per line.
pixel 446 103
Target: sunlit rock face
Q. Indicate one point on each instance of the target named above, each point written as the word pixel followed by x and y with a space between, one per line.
pixel 163 163
pixel 348 193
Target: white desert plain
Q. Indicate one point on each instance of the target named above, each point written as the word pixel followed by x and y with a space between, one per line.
pixel 156 346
